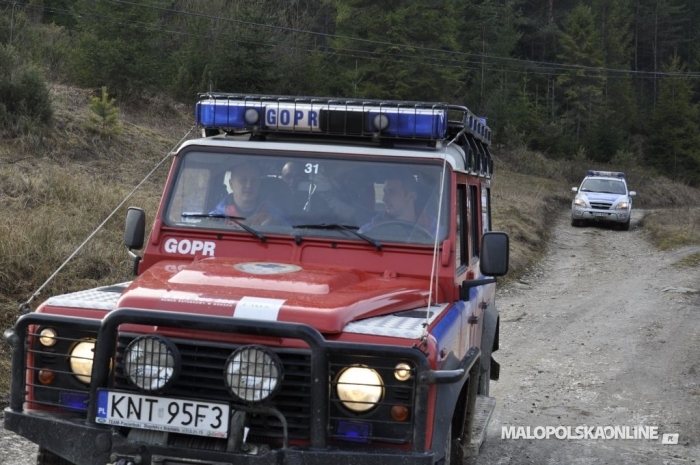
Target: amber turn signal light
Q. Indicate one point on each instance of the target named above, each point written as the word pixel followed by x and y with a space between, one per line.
pixel 46 376
pixel 399 413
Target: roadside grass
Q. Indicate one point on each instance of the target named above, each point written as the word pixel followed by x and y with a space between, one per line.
pixel 673 228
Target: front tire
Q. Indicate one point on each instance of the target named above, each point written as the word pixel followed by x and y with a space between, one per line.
pixel 576 223
pixel 45 457
pixel 625 226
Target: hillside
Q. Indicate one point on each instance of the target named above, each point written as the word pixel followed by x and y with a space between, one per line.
pixel 55 190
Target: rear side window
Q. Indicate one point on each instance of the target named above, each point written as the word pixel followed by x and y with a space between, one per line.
pixel 474 220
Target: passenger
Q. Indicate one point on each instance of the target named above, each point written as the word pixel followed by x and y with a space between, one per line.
pixel 400 198
pixel 244 200
pixel 293 175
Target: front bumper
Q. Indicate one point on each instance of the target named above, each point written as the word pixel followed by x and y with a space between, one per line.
pixel 97 445
pixel 81 440
pixel 591 214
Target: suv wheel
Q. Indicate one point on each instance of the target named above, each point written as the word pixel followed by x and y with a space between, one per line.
pixel 625 226
pixel 576 223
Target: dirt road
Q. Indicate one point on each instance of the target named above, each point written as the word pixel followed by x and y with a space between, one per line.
pixel 599 333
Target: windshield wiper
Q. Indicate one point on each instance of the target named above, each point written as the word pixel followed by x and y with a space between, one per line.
pixel 343 227
pixel 235 219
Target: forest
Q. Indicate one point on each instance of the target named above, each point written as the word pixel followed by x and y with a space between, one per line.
pixel 610 81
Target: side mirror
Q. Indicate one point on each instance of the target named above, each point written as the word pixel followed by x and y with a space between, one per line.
pixel 633 193
pixel 134 232
pixel 492 262
pixel 495 247
pixel 574 189
pixel 135 228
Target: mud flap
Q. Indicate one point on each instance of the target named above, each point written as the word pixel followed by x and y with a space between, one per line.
pixel 482 416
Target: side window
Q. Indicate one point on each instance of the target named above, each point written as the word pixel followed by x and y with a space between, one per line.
pixel 461 232
pixel 474 221
pixel 485 208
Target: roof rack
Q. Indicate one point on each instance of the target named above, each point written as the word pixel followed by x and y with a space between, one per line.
pixel 377 119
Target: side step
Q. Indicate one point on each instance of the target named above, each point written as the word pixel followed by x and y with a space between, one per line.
pixel 482 416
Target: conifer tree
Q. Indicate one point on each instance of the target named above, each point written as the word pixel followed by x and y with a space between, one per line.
pixel 104 118
pixel 581 84
pixel 405 58
pixel 674 134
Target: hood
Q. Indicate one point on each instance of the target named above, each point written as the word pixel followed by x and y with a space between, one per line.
pixel 324 297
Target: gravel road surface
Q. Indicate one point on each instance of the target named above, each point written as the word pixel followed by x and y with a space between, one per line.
pixel 604 331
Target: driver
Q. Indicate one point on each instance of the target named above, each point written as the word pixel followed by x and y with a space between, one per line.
pixel 400 197
pixel 244 201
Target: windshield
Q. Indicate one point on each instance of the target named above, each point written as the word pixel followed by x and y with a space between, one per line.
pixel 304 196
pixel 608 186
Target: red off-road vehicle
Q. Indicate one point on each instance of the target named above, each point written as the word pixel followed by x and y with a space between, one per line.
pixel 318 287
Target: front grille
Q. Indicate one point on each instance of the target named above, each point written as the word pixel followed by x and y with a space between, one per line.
pixel 202 377
pixel 601 205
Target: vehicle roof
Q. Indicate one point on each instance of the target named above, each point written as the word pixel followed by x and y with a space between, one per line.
pixel 454 153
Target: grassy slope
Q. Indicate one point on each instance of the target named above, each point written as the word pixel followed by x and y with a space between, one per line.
pixel 55 191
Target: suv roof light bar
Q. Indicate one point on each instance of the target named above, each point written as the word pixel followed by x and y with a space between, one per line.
pixel 336 117
pixel 606 174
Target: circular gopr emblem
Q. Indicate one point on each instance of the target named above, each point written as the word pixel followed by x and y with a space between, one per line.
pixel 266 268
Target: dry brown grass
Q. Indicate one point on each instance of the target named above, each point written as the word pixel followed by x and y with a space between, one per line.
pixel 674 227
pixel 56 188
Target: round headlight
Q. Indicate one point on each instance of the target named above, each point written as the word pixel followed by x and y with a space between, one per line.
pixel 151 363
pixel 81 356
pixel 360 388
pixel 253 373
pixel 47 337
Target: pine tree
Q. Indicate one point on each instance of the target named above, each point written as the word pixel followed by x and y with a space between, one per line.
pixel 409 57
pixel 674 141
pixel 581 86
pixel 104 118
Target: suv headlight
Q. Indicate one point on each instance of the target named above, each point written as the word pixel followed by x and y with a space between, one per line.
pixel 579 202
pixel 360 388
pixel 81 356
pixel 622 206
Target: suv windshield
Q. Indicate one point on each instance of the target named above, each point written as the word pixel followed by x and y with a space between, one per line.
pixel 304 196
pixel 608 186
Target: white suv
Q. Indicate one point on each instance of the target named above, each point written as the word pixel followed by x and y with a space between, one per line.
pixel 603 197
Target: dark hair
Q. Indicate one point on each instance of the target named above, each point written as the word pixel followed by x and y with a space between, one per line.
pixel 407 180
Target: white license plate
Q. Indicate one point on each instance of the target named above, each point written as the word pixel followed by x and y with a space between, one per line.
pixel 601 215
pixel 163 414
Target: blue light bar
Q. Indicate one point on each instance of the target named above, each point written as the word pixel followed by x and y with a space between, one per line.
pixel 421 123
pixel 394 119
pixel 607 174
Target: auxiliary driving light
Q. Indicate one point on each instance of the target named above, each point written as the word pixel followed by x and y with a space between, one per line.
pixel 47 337
pixel 360 388
pixel 151 363
pixel 253 373
pixel 402 371
pixel 81 359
